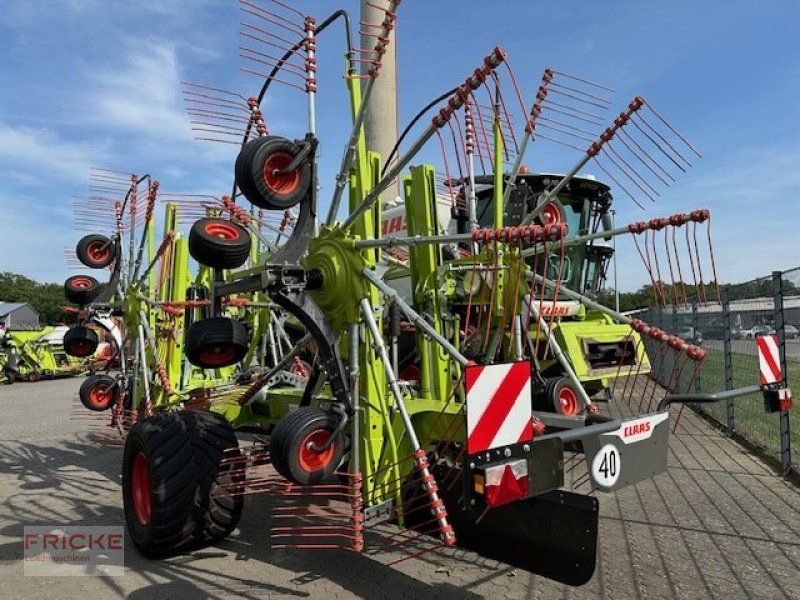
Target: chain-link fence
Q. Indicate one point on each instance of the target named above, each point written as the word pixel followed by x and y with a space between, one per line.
pixel 727 332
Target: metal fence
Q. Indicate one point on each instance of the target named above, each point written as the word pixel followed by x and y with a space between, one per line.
pixel 727 332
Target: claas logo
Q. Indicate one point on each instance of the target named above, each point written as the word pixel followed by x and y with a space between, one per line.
pixel 397 223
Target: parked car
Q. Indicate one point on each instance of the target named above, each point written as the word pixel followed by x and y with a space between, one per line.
pixel 714 330
pixel 691 335
pixel 750 334
pixel 791 332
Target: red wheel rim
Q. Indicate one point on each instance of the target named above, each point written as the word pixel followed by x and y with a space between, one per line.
pixel 32 377
pixel 100 395
pixel 312 461
pixel 567 401
pixel 80 347
pixel 218 355
pixel 140 488
pixel 280 184
pixel 222 230
pixel 551 214
pixel 81 283
pixel 98 251
pixel 301 368
pixel 410 373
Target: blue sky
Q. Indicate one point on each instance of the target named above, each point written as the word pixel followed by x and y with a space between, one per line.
pixel 96 83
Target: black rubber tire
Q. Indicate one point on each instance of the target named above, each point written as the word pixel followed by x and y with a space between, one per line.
pixel 272 152
pixel 102 384
pixel 287 440
pixel 216 342
pixel 81 289
pixel 553 389
pixel 166 443
pixel 217 516
pixel 80 341
pixel 11 377
pixel 244 180
pixel 219 243
pixel 95 251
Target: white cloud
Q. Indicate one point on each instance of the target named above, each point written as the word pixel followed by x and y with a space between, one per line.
pixel 35 231
pixel 41 153
pixel 140 95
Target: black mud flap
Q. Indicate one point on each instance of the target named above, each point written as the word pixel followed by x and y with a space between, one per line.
pixel 553 535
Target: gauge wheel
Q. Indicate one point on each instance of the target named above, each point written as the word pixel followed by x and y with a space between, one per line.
pixel 81 289
pixel 262 182
pixel 219 243
pixel 562 396
pixel 95 251
pixel 296 443
pixel 80 342
pixel 216 342
pixel 99 392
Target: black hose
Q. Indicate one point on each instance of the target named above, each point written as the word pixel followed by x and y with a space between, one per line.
pixel 319 29
pixel 411 124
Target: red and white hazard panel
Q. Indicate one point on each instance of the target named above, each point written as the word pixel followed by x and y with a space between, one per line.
pixel 769 359
pixel 498 405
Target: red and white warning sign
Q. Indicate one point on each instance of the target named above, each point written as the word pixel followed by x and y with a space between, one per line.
pixel 769 359
pixel 498 405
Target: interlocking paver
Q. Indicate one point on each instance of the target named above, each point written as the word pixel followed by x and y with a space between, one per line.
pixel 719 524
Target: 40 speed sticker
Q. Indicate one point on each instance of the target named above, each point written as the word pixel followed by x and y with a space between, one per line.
pixel 606 466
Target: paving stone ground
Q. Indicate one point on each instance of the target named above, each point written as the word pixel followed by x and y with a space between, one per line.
pixel 718 524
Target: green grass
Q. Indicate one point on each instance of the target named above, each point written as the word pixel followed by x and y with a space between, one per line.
pixel 751 422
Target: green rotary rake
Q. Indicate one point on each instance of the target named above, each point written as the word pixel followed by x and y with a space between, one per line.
pixel 416 377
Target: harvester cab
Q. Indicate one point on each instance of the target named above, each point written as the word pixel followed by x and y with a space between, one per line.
pixel 583 205
pixel 595 347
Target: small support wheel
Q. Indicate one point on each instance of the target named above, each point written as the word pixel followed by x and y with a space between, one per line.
pixel 216 342
pixel 34 376
pixel 95 251
pixel 260 175
pixel 219 243
pixel 99 392
pixel 80 342
pixel 81 289
pixel 296 443
pixel 562 396
pixel 242 169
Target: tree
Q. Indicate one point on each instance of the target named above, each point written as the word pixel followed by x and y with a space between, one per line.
pixel 46 298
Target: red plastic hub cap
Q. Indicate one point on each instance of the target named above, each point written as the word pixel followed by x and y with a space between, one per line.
pixel 301 368
pixel 568 401
pixel 225 231
pixel 81 283
pixel 283 184
pixel 218 355
pixel 100 395
pixel 98 251
pixel 140 488
pixel 311 460
pixel 80 347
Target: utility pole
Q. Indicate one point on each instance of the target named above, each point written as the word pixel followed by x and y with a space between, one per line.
pixel 614 255
pixel 380 122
